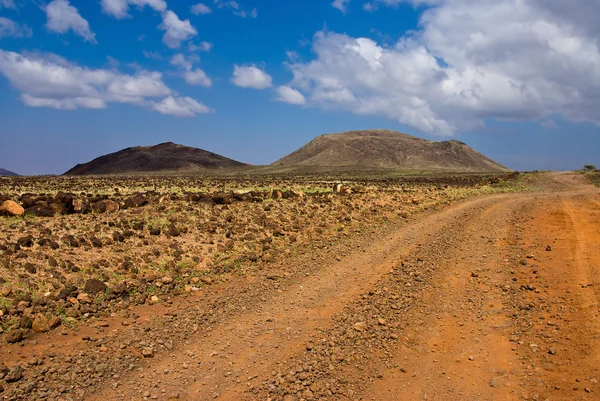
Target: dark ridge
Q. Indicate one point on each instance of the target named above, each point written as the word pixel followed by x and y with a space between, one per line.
pixel 164 157
pixel 7 173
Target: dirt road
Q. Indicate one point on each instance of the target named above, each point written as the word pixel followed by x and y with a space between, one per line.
pixel 495 298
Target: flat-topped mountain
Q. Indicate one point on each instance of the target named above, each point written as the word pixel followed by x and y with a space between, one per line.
pixel 389 149
pixel 159 158
pixel 7 173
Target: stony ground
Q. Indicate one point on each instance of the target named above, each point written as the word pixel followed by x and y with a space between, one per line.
pixel 491 298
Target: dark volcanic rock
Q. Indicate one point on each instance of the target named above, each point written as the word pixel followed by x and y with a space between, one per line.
pixel 94 286
pixel 163 157
pixel 15 336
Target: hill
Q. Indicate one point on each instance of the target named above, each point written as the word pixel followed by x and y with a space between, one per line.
pixel 389 149
pixel 7 173
pixel 160 158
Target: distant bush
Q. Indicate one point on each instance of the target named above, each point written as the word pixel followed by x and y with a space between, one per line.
pixel 589 167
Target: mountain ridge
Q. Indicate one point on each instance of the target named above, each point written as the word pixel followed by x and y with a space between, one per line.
pixel 166 156
pixel 7 173
pixel 378 148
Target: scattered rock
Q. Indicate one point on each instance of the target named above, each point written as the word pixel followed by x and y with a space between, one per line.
pixel 15 336
pixel 11 208
pixel 54 322
pixel 40 324
pixel 94 286
pixel 14 375
pixel 360 326
pixel 147 352
pixel 105 206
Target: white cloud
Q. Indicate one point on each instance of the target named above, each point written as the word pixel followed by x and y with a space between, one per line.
pixel 374 5
pixel 119 8
pixel 549 124
pixel 152 55
pixel 203 47
pixel 64 104
pixel 63 17
pixel 177 31
pixel 10 28
pixel 193 76
pixel 251 77
pixel 180 107
pixel 180 60
pixel 470 61
pixel 341 5
pixel 47 80
pixel 7 4
pixel 200 8
pixel 196 76
pixel 236 9
pixel 290 95
pixel 292 55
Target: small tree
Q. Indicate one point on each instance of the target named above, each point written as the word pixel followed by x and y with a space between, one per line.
pixel 589 167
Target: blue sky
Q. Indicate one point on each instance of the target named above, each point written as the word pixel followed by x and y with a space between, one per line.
pixel 254 80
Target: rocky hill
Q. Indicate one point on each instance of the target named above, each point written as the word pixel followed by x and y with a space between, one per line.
pixel 164 157
pixel 389 149
pixel 7 173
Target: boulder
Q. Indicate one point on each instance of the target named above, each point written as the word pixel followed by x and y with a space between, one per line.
pixel 136 201
pixel 40 324
pixel 80 206
pixel 94 286
pixel 40 211
pixel 11 208
pixel 105 206
pixel 15 336
pixel 223 199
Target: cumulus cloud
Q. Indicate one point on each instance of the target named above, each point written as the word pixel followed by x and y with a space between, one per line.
pixel 470 61
pixel 47 80
pixel 193 76
pixel 176 30
pixel 200 8
pixel 10 28
pixel 290 95
pixel 119 8
pixel 341 5
pixel 180 107
pixel 63 17
pixel 203 47
pixel 251 77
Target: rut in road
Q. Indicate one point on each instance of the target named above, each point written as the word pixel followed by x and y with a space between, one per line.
pixel 238 352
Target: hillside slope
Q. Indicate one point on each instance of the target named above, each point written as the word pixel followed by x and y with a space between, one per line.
pixel 389 149
pixel 163 157
pixel 7 173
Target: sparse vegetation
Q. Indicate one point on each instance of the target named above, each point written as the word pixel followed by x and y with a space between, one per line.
pixel 185 232
pixel 592 174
